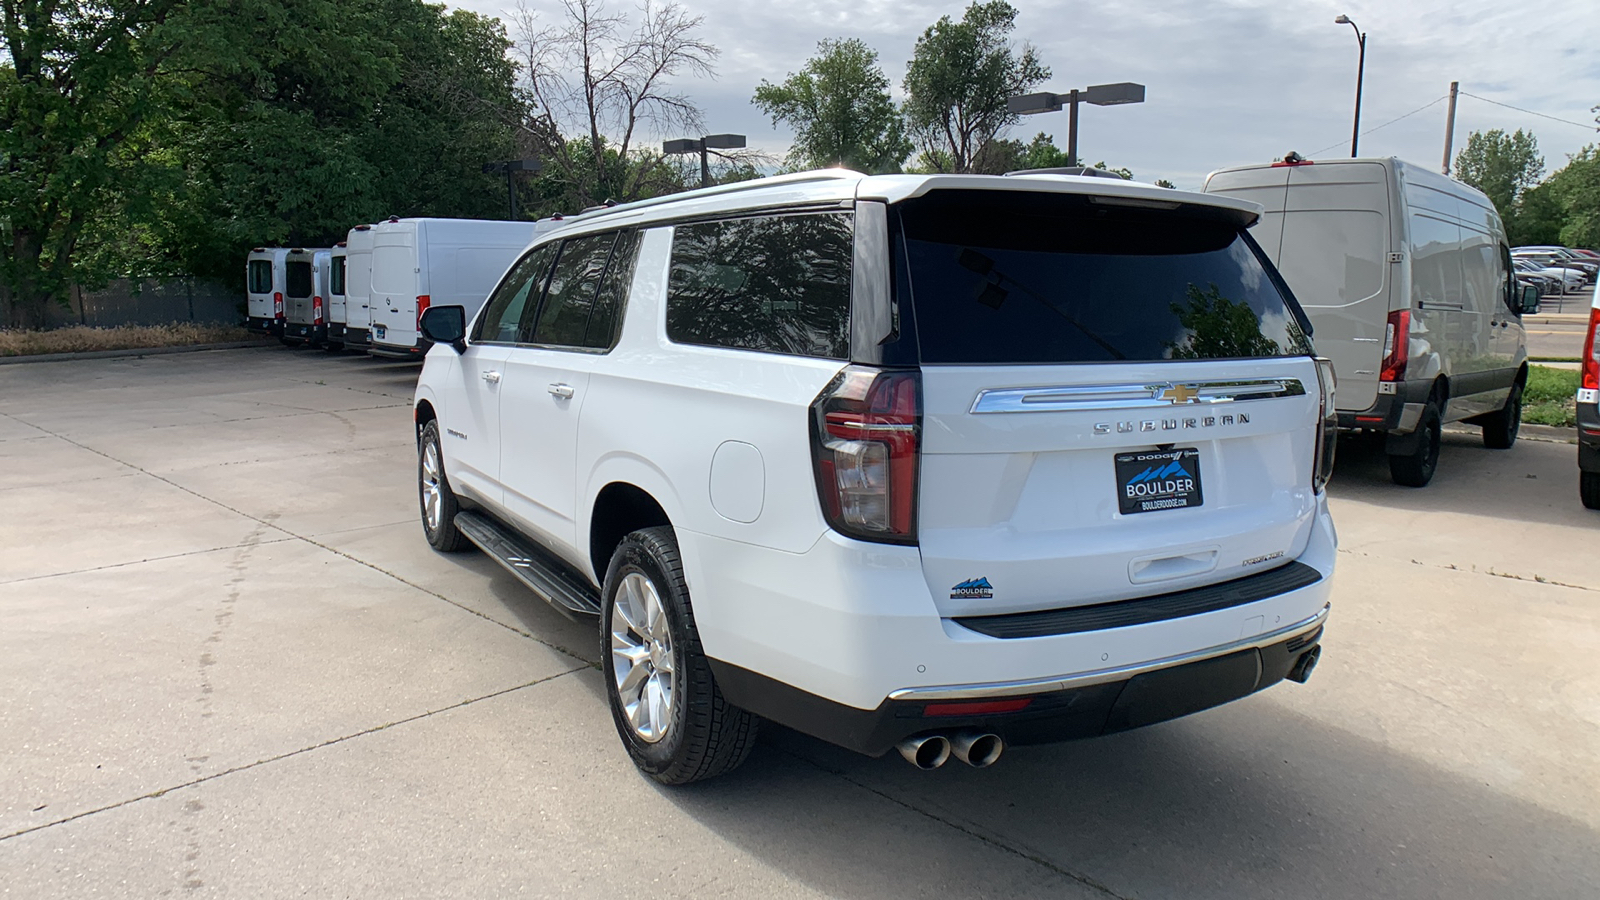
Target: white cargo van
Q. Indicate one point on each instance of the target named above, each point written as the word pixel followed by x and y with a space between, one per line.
pixel 263 274
pixel 1407 279
pixel 449 262
pixel 336 297
pixel 358 288
pixel 305 296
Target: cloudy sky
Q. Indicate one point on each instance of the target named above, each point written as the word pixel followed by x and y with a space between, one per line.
pixel 1228 81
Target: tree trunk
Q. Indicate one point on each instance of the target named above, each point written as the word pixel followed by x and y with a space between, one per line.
pixel 28 299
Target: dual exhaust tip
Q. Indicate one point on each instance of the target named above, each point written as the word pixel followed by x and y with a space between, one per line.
pixel 930 751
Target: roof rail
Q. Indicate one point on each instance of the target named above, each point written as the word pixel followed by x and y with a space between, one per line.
pixel 1081 171
pixel 719 190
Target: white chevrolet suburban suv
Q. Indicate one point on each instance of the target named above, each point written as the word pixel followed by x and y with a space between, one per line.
pixel 928 463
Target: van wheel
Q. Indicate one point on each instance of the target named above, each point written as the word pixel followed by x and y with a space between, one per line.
pixel 1416 469
pixel 1500 428
pixel 1589 489
pixel 668 710
pixel 439 506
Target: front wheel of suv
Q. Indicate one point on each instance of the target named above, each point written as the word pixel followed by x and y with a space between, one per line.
pixel 438 501
pixel 668 710
pixel 1415 469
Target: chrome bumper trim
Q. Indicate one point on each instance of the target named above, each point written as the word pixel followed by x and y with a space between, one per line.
pixel 1102 676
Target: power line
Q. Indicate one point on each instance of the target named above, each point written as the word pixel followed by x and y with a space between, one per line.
pixel 1531 112
pixel 1408 115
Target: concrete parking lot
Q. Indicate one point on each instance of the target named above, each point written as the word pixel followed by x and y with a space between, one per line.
pixel 1557 331
pixel 233 667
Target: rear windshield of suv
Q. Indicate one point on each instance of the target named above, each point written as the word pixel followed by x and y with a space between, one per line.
pixel 297 278
pixel 1012 277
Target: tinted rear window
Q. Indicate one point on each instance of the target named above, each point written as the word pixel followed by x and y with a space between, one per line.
pixel 1040 278
pixel 297 276
pixel 260 276
pixel 779 284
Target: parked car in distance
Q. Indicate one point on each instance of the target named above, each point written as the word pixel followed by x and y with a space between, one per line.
pixel 935 463
pixel 1585 271
pixel 338 319
pixel 1407 279
pixel 264 282
pixel 419 262
pixel 1589 412
pixel 1556 280
pixel 306 277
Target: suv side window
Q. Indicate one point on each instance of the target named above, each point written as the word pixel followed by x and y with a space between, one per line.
pixel 613 296
pixel 563 318
pixel 518 291
pixel 777 284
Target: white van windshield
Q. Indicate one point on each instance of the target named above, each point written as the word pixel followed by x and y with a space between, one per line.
pixel 1010 277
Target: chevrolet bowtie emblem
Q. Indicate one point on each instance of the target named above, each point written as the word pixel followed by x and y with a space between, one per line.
pixel 1180 394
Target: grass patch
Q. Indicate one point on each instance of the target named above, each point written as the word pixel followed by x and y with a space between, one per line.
pixel 1551 397
pixel 83 339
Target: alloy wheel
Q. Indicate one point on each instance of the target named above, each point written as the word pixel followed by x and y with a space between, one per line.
pixel 641 657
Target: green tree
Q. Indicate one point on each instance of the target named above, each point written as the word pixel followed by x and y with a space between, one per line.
pixel 958 80
pixel 840 109
pixel 1578 192
pixel 78 83
pixel 1501 165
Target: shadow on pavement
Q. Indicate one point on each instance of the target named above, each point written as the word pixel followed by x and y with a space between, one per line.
pixel 1246 801
pixel 1534 481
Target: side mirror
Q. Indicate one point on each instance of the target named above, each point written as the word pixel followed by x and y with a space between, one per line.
pixel 1530 299
pixel 445 325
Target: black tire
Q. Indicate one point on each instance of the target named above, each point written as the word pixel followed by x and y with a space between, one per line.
pixel 1416 469
pixel 443 534
pixel 705 735
pixel 1589 489
pixel 1500 428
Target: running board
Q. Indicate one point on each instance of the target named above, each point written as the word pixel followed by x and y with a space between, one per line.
pixel 534 567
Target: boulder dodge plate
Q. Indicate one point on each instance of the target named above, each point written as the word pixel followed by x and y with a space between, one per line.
pixel 1158 479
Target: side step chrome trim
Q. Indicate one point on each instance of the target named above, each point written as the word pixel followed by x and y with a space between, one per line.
pixel 534 567
pixel 1103 676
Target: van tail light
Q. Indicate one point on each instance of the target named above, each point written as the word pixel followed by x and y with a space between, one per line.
pixel 277 304
pixel 1591 353
pixel 1396 346
pixel 1328 436
pixel 316 310
pixel 422 306
pixel 865 435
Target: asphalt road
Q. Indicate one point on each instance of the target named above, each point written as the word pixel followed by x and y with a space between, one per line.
pixel 1558 330
pixel 232 667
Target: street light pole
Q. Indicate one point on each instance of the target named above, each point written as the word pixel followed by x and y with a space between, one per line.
pixel 1361 68
pixel 1095 95
pixel 704 146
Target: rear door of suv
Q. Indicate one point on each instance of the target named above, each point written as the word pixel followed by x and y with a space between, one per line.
pixel 1118 399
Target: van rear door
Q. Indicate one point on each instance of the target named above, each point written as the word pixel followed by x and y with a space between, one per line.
pixel 395 275
pixel 1332 224
pixel 1117 400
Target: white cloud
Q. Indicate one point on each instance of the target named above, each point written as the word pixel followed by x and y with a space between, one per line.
pixel 1228 82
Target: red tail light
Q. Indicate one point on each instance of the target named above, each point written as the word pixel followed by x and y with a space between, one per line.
pixel 1396 346
pixel 865 433
pixel 1328 436
pixel 1591 352
pixel 277 304
pixel 316 310
pixel 422 307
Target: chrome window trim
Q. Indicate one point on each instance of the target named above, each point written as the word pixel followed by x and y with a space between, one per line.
pixel 1132 396
pixel 1103 676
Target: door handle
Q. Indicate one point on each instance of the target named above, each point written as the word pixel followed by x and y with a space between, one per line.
pixel 492 377
pixel 564 391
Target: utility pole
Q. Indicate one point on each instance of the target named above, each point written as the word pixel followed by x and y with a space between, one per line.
pixel 1072 129
pixel 1450 125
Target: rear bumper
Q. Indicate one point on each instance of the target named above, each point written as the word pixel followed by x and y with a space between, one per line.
pixel 1398 412
pixel 357 337
pixel 311 334
pixel 1083 706
pixel 263 325
pixel 1588 436
pixel 846 643
pixel 400 351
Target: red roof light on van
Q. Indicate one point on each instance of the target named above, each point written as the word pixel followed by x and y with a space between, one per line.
pixel 1292 159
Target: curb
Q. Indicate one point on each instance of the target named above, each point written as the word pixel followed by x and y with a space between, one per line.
pixel 132 351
